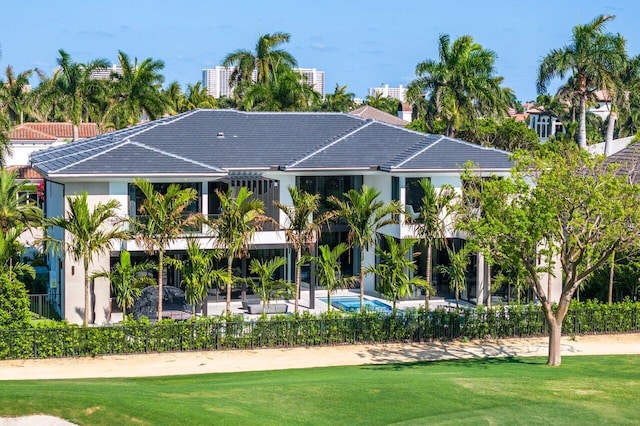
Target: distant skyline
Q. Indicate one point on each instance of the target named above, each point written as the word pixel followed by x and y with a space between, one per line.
pixel 360 44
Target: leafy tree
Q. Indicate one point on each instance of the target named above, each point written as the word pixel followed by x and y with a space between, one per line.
pixel 592 57
pixel 10 251
pixel 76 86
pixel 14 94
pixel 461 85
pixel 430 224
pixel 233 230
pixel 266 286
pixel 137 89
pixel 90 232
pixel 456 270
pixel 365 215
pixel 396 269
pixel 127 280
pixel 301 229
pixel 14 303
pixel 327 264
pixel 162 219
pixel 564 198
pixel 16 208
pixel 509 135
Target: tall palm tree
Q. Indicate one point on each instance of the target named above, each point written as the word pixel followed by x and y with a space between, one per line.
pixel 77 86
pixel 161 220
pixel 396 269
pixel 47 98
pixel 461 84
pixel 265 60
pixel 626 83
pixel 14 94
pixel 138 89
pixel 90 232
pixel 365 215
pixel 430 225
pixel 327 269
pixel 286 91
pixel 16 208
pixel 301 228
pixel 241 217
pixel 127 280
pixel 593 58
pixel 198 97
pixel 175 98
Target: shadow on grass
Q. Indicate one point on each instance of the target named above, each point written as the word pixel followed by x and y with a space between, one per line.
pixel 470 363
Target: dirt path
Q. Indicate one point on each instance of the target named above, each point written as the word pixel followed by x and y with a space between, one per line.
pixel 277 359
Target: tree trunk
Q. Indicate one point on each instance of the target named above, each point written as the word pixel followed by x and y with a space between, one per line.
pixel 230 272
pixel 428 273
pixel 361 279
pixel 488 285
pixel 611 274
pixel 608 140
pixel 75 132
pixel 457 295
pixel 298 273
pixel 86 293
pixel 160 294
pixel 555 336
pixel 582 129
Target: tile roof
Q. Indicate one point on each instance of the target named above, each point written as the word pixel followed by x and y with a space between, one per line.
pixel 217 142
pixel 25 172
pixel 366 111
pixel 52 131
pixel 629 161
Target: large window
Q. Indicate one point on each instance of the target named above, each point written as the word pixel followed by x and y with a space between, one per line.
pixel 136 197
pixel 215 207
pixel 328 186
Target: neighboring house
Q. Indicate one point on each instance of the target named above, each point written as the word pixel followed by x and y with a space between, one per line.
pixel 366 111
pixel 210 150
pixel 544 123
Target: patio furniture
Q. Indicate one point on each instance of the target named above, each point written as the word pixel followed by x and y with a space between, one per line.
pixel 247 302
pixel 277 308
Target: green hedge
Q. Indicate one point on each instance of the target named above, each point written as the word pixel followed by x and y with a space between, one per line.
pixel 59 339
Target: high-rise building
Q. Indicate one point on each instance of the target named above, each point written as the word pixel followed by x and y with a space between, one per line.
pixel 399 93
pixel 105 73
pixel 216 80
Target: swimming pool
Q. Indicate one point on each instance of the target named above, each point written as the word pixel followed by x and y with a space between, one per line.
pixel 352 304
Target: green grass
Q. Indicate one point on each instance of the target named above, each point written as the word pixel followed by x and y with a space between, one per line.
pixel 586 390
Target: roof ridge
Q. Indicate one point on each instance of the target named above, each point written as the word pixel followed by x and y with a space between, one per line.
pixel 337 139
pixel 412 152
pixel 102 151
pixel 24 128
pixel 178 157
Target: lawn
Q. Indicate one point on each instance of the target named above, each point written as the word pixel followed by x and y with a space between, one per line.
pixel 585 390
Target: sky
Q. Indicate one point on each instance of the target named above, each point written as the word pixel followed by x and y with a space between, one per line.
pixel 358 43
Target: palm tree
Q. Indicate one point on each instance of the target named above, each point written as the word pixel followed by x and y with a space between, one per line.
pixel 592 58
pixel 175 98
pixel 137 89
pixel 430 224
pixel 301 228
pixel 265 60
pixel 456 270
pixel 199 272
pixel 241 217
pixel 198 97
pixel 365 215
pixel 461 84
pixel 14 94
pixel 162 220
pixel 47 98
pixel 127 280
pixel 286 91
pixel 396 269
pixel 16 208
pixel 340 100
pixel 327 264
pixel 381 102
pixel 5 143
pixel 10 250
pixel 91 232
pixel 77 86
pixel 266 287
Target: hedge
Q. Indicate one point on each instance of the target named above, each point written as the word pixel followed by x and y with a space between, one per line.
pixel 59 339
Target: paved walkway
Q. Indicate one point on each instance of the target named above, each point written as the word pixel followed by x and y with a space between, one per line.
pixel 277 359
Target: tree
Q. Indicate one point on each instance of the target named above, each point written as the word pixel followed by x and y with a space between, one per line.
pixel 286 91
pixel 383 103
pixel 301 228
pixel 456 270
pixel 127 280
pixel 14 94
pixel 430 225
pixel 90 232
pixel 137 89
pixel 396 269
pixel 199 273
pixel 198 97
pixel 162 220
pixel 76 86
pixel 14 303
pixel 327 264
pixel 339 101
pixel 16 208
pixel 507 134
pixel 560 197
pixel 461 84
pixel 365 215
pixel 265 60
pixel 592 57
pixel 233 230
pixel 175 98
pixel 5 143
pixel 266 287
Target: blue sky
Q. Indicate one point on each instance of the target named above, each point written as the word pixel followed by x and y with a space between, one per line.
pixel 360 44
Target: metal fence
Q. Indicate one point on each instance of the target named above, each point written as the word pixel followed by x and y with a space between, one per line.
pixel 40 305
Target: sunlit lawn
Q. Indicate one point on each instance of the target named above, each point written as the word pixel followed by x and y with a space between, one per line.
pixel 584 390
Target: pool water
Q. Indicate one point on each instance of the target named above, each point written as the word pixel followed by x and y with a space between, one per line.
pixel 352 304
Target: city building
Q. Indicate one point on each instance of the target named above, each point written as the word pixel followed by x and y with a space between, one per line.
pixel 105 73
pixel 399 93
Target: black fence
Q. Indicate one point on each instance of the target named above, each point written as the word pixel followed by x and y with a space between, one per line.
pixel 289 331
